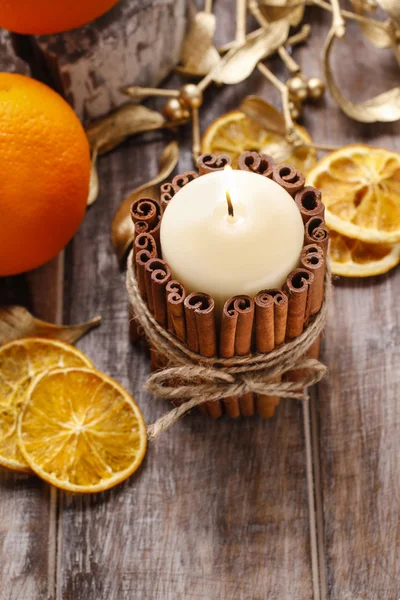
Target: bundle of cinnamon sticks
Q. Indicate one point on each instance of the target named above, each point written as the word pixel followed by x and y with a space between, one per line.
pixel 247 325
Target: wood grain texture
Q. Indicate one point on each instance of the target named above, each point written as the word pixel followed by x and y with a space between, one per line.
pixel 28 506
pixel 9 59
pixel 219 509
pixel 358 413
pixel 137 42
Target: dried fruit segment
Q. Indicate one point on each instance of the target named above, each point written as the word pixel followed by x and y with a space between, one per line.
pixel 354 258
pixel 360 187
pixel 81 431
pixel 234 133
pixel 20 362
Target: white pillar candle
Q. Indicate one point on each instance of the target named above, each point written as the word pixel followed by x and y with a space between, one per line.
pixel 213 252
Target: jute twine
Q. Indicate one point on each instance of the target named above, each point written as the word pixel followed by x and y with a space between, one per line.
pixel 199 379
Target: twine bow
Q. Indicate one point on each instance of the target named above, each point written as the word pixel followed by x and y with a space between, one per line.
pixel 200 379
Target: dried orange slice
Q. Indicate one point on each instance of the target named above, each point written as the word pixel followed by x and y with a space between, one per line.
pixel 81 431
pixel 360 187
pixel 20 362
pixel 233 133
pixel 354 258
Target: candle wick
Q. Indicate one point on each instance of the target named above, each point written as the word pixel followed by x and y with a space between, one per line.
pixel 230 205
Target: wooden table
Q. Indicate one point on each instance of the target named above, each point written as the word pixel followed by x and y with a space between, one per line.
pixel 221 510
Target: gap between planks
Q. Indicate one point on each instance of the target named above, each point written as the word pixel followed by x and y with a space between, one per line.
pixel 314 491
pixel 47 284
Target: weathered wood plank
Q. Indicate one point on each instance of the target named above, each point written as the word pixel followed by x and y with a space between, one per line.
pixel 137 42
pixel 9 59
pixel 358 403
pixel 28 507
pixel 219 509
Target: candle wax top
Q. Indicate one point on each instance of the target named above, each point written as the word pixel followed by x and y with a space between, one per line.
pixel 212 252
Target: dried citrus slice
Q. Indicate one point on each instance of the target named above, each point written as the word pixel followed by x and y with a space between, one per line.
pixel 20 362
pixel 361 191
pixel 354 258
pixel 233 133
pixel 81 431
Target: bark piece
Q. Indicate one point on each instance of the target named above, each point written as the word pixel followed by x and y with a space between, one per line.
pixel 137 42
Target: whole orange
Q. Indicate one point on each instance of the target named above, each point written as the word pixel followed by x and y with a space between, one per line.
pixel 50 16
pixel 45 173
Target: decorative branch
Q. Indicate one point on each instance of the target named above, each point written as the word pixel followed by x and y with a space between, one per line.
pixel 195 134
pixel 288 61
pixel 140 93
pixel 208 6
pixel 291 133
pixel 349 15
pixel 338 23
pixel 241 15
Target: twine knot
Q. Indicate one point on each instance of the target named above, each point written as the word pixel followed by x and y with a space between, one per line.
pixel 198 379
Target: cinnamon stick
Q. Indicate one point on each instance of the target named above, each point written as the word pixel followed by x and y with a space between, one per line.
pixel 257 163
pixel 167 192
pixel 146 215
pixel 154 230
pixel 270 328
pixel 145 241
pixel 175 296
pixel 208 163
pixel 179 181
pixel 157 275
pixel 141 260
pixel 235 339
pixel 310 204
pixel 296 288
pixel 315 232
pixel 312 258
pixel 146 210
pixel 289 178
pixel 201 333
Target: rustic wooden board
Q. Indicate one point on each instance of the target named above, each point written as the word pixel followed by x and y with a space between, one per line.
pixel 219 510
pixel 9 60
pixel 357 424
pixel 28 507
pixel 137 42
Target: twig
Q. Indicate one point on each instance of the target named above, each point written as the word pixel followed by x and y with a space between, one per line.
pixel 338 23
pixel 349 15
pixel 241 13
pixel 289 62
pixel 297 38
pixel 195 134
pixel 137 92
pixel 291 133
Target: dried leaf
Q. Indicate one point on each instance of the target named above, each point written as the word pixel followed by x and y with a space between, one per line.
pixel 373 31
pixel 264 113
pixel 199 54
pixel 94 179
pixel 392 8
pixel 122 227
pixel 382 108
pixel 292 12
pixel 17 322
pixel 239 62
pixel 129 119
pixel 368 6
